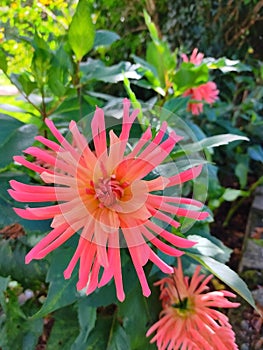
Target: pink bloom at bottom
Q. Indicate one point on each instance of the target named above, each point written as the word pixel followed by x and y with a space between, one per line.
pixel 103 196
pixel 188 320
pixel 207 92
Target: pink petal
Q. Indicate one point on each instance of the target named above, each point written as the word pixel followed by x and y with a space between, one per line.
pixel 99 132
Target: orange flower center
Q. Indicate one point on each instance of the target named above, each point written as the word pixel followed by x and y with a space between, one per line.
pixel 107 191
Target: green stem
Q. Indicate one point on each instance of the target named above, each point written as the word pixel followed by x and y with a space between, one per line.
pixel 235 207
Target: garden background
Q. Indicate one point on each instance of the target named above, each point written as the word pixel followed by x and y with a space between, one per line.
pixel 61 59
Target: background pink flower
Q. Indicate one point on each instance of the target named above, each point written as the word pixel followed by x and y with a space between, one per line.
pixel 188 319
pixel 207 92
pixel 102 195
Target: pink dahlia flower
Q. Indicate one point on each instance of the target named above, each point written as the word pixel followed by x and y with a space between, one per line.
pixel 207 92
pixel 188 320
pixel 102 194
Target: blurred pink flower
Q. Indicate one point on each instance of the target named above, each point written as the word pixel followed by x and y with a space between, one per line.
pixel 188 319
pixel 195 58
pixel 207 92
pixel 102 195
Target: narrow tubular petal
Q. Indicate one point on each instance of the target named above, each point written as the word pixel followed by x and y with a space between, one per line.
pixel 127 120
pixel 32 166
pixel 61 139
pixel 94 277
pixel 139 270
pixel 33 197
pixel 178 200
pixel 45 242
pixel 99 132
pixel 165 218
pixel 56 243
pixel 168 236
pixel 161 245
pixel 50 144
pixel 157 139
pixel 165 268
pixel 146 136
pixel 49 159
pixel 41 213
pixel 86 262
pixel 185 176
pixel 78 252
pixel 157 184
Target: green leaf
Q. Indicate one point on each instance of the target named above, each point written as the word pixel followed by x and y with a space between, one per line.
pixel 205 247
pixel 59 74
pixel 40 61
pixel 8 216
pixel 24 82
pixel 225 274
pixel 189 76
pixel 214 141
pixel 108 333
pixel 3 285
pixel 256 153
pixel 137 314
pixel 14 138
pixel 202 230
pixel 241 171
pixel 17 332
pixel 151 26
pixel 96 69
pixel 12 256
pixel 175 105
pixel 3 61
pixel 81 33
pixel 105 38
pixel 64 330
pixel 61 292
pixel 226 65
pixel 231 194
pixel 87 316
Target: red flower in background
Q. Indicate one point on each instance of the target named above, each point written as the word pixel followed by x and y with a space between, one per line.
pixel 102 194
pixel 207 92
pixel 188 319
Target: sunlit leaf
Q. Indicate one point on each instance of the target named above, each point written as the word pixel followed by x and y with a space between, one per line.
pixel 81 33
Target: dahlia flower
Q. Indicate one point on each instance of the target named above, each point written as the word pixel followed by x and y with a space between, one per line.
pixel 207 92
pixel 188 319
pixel 102 195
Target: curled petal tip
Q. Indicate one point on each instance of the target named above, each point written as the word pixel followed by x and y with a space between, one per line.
pixel 28 258
pixel 121 296
pixel 67 274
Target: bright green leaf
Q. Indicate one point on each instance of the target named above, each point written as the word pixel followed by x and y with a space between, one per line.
pixel 189 76
pixel 3 61
pixel 151 26
pixel 81 33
